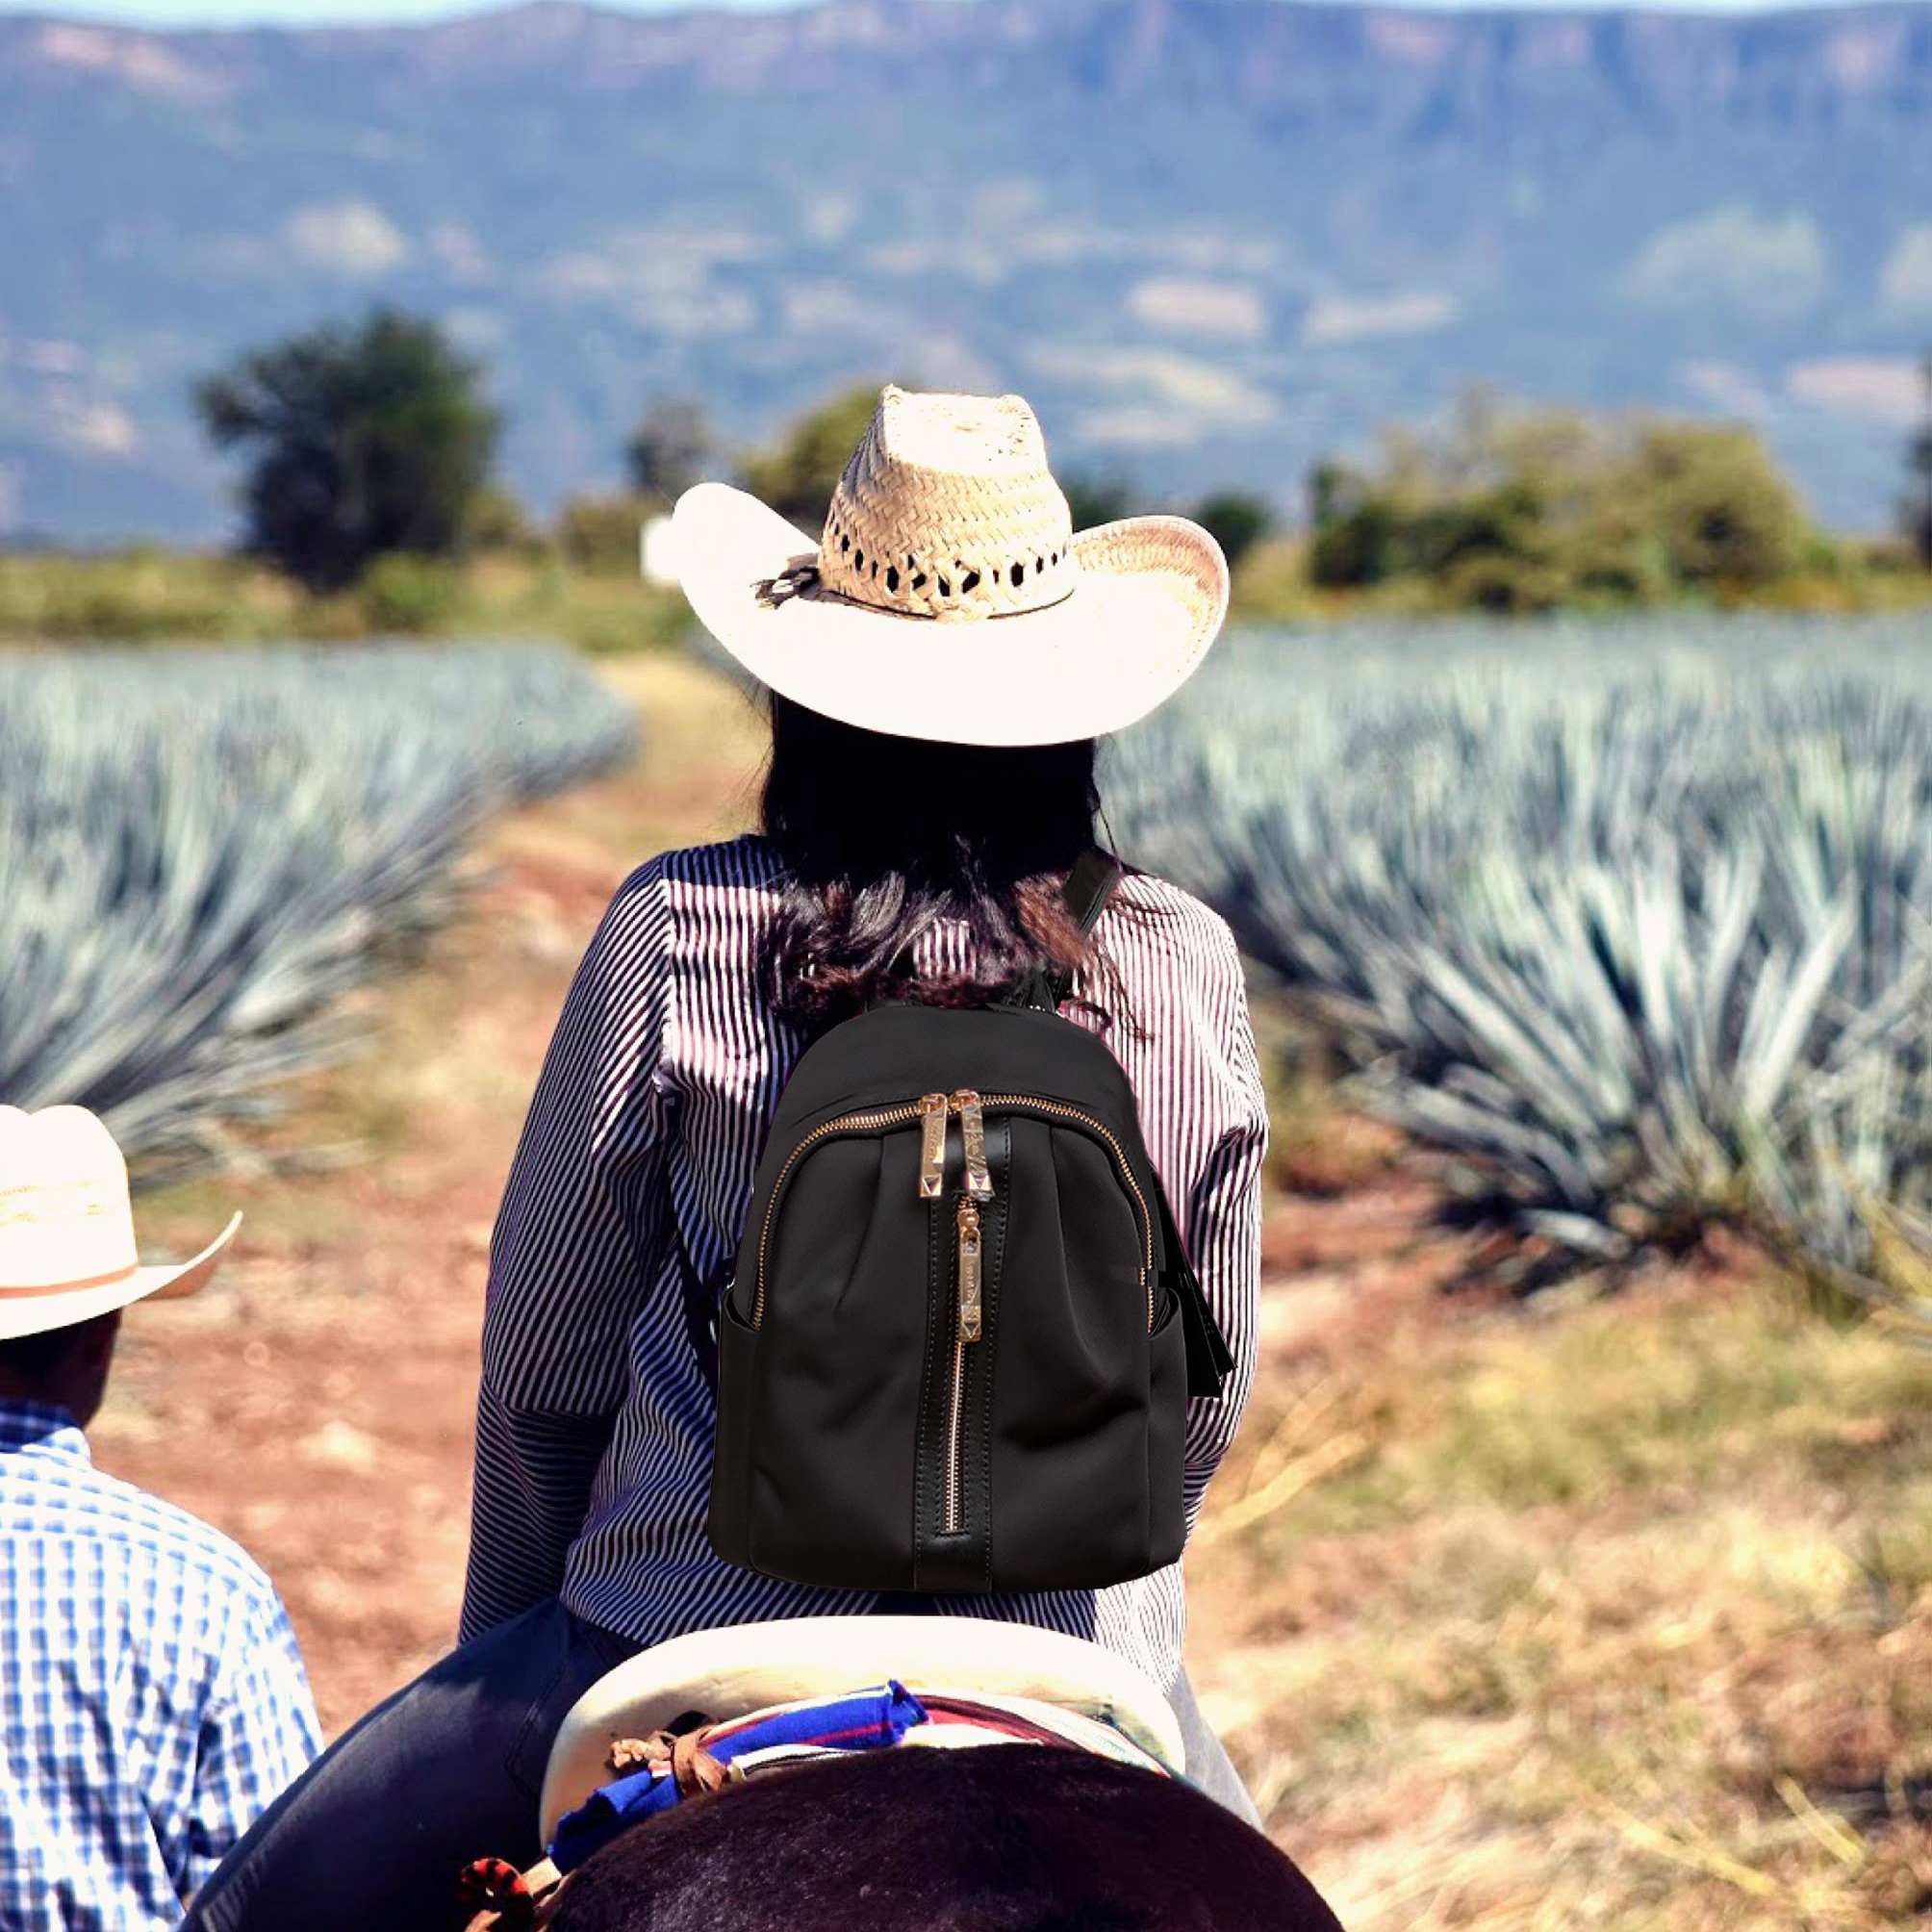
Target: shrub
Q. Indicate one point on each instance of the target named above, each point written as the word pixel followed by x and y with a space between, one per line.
pixel 500 524
pixel 402 592
pixel 1525 510
pixel 1094 499
pixel 799 474
pixel 1235 520
pixel 600 534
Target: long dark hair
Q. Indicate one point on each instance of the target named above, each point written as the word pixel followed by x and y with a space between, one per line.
pixel 881 837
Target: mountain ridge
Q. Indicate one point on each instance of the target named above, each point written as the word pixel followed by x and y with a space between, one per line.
pixel 1211 238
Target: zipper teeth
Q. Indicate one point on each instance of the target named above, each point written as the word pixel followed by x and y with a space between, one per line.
pixel 1120 1156
pixel 951 1521
pixel 887 1116
pixel 883 1116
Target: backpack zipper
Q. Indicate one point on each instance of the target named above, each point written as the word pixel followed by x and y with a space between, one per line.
pixel 1062 1110
pixel 935 1108
pixel 965 1330
pixel 884 1116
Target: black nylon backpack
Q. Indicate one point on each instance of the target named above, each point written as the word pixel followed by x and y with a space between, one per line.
pixel 958 1349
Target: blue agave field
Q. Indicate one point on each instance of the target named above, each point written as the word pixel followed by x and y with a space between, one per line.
pixel 1636 921
pixel 200 851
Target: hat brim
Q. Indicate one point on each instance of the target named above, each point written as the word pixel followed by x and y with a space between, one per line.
pixel 65 1307
pixel 1152 596
pixel 727 1672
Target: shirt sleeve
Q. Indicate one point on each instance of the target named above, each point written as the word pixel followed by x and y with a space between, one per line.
pixel 1221 1216
pixel 257 1733
pixel 581 1214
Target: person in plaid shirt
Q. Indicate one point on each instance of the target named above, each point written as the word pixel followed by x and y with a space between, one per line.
pixel 152 1699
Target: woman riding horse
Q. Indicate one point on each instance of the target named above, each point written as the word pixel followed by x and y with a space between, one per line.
pixel 932 783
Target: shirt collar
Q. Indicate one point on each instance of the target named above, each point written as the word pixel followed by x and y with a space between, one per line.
pixel 44 1426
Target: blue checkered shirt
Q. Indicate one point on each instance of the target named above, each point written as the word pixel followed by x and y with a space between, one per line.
pixel 152 1700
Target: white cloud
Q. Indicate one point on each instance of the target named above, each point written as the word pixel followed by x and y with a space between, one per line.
pixel 658 281
pixel 1140 428
pixel 1733 259
pixel 347 238
pixel 479 330
pixel 1204 391
pixel 817 307
pixel 1231 310
pixel 90 425
pixel 1348 318
pixel 1880 389
pixel 1725 385
pixel 1905 282
pixel 53 357
pixel 456 250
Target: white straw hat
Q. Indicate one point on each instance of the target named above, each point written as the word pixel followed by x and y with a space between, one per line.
pixel 66 1225
pixel 949 596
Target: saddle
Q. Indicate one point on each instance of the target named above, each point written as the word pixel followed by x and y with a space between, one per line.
pixel 708 1710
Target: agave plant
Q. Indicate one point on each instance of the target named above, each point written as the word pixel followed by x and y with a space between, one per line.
pixel 200 851
pixel 1639 927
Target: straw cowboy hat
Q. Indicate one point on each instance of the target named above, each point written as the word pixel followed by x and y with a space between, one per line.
pixel 949 596
pixel 66 1225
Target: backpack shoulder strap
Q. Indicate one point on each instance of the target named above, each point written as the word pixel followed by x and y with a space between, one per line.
pixel 1089 886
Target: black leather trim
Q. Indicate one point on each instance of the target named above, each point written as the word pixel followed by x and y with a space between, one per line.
pixel 1211 1361
pixel 1089 886
pixel 926 1468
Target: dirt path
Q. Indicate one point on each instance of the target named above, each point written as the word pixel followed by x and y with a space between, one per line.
pixel 317 1403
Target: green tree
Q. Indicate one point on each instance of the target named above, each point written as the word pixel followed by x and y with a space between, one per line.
pixel 671 449
pixel 1357 528
pixel 1919 470
pixel 799 474
pixel 1236 519
pixel 362 439
pixel 1719 504
pixel 1095 500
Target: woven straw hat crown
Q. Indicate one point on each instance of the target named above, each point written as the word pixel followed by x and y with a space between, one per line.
pixel 947 509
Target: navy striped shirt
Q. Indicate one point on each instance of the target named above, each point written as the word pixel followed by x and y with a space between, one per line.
pixel 634 1179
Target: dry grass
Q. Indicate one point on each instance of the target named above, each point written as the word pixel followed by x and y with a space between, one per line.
pixel 1616 1617
pixel 148 595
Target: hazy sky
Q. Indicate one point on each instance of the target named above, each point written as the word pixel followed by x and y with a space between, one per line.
pixel 311 12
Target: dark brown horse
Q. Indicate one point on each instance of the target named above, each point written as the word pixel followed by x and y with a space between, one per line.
pixel 1007 1838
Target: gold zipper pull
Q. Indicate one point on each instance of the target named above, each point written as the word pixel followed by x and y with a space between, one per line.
pixel 969 1271
pixel 973 1136
pixel 932 1147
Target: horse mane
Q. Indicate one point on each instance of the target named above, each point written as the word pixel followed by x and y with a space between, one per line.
pixel 1006 1838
